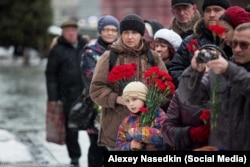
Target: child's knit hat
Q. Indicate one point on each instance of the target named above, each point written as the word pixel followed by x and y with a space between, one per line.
pixel 135 89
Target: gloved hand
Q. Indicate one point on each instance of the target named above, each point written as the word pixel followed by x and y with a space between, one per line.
pixel 200 134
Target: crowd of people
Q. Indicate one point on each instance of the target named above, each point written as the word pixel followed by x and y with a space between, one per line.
pixel 209 109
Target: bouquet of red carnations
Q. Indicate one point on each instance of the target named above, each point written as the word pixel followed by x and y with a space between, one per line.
pixel 122 74
pixel 160 86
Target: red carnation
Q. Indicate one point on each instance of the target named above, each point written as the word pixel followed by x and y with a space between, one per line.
pixel 217 30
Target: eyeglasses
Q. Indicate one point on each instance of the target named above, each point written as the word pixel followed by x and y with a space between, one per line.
pixel 242 45
pixel 109 30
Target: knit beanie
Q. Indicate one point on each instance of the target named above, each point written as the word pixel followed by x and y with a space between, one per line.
pixel 222 3
pixel 237 15
pixel 135 89
pixel 132 22
pixel 170 36
pixel 107 20
pixel 181 2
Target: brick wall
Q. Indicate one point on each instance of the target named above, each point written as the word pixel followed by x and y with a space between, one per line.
pixel 147 9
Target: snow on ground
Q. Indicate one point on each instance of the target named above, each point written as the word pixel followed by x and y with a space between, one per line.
pixel 13 150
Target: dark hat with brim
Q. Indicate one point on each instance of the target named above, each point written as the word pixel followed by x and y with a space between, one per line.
pixel 181 2
pixel 69 23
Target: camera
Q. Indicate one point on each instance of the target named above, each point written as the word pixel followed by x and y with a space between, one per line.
pixel 204 57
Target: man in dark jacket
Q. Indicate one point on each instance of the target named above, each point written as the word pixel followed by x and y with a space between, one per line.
pixel 108 27
pixel 227 87
pixel 212 9
pixel 63 79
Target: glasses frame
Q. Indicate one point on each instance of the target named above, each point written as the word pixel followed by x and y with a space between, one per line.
pixel 242 44
pixel 113 30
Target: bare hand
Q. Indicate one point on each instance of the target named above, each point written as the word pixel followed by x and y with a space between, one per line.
pixel 197 66
pixel 135 145
pixel 131 131
pixel 219 65
pixel 119 100
pixel 206 148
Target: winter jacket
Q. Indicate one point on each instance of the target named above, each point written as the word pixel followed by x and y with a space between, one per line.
pixel 231 131
pixel 104 93
pixel 91 54
pixel 183 57
pixel 63 73
pixel 180 118
pixel 185 31
pixel 151 137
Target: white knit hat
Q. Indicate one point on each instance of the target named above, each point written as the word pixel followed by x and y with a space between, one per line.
pixel 135 89
pixel 170 36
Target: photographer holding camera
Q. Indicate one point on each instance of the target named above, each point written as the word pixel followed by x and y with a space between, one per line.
pixel 212 10
pixel 231 131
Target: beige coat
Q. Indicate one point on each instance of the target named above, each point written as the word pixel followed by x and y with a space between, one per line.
pixel 105 94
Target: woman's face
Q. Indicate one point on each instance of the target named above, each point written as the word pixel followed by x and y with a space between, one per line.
pixel 227 36
pixel 131 38
pixel 162 48
pixel 109 33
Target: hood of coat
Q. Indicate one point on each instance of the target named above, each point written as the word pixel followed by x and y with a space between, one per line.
pixel 201 30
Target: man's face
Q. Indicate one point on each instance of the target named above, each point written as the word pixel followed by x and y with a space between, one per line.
pixel 184 13
pixel 70 34
pixel 212 14
pixel 241 46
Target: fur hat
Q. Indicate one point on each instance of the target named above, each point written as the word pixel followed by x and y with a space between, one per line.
pixel 107 20
pixel 170 36
pixel 135 89
pixel 181 2
pixel 69 23
pixel 237 15
pixel 132 22
pixel 222 3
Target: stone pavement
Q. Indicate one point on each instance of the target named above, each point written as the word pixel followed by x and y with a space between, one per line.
pixel 22 119
pixel 32 149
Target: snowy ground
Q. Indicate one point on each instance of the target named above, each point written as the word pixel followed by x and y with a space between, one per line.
pixel 22 118
pixel 12 149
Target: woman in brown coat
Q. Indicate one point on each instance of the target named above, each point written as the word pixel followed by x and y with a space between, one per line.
pixel 130 48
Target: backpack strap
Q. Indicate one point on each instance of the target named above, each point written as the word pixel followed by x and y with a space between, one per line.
pixel 150 57
pixel 112 59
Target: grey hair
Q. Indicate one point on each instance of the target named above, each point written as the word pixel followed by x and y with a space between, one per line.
pixel 243 26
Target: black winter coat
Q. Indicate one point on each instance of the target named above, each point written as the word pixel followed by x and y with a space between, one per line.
pixel 182 58
pixel 63 72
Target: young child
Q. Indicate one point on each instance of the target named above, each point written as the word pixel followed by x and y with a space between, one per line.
pixel 130 135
